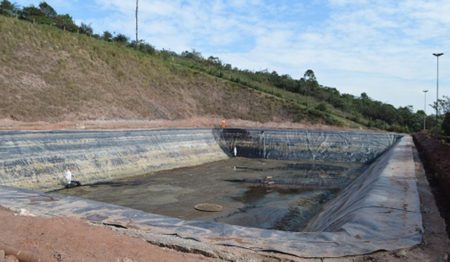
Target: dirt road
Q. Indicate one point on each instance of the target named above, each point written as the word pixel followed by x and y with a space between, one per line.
pixel 71 239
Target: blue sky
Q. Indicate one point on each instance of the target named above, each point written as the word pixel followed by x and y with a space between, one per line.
pixel 383 48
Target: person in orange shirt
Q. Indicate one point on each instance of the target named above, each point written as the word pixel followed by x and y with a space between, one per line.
pixel 223 124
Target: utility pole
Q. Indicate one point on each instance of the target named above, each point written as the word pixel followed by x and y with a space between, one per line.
pixel 137 41
pixel 437 55
pixel 425 110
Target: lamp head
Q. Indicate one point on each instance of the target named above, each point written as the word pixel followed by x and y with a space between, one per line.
pixel 438 54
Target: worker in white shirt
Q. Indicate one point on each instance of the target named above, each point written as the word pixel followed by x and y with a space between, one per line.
pixel 68 178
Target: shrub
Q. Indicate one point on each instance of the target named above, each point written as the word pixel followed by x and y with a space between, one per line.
pixel 322 107
pixel 86 29
pixel 121 39
pixel 446 124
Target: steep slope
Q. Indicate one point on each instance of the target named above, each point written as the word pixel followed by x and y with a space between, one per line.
pixel 47 74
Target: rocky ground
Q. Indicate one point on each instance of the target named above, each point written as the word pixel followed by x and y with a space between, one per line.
pixel 7 258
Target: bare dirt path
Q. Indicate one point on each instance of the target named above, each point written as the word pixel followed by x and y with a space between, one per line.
pixel 70 239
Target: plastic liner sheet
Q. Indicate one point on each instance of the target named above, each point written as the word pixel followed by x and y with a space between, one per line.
pixel 37 160
pixel 378 211
pixel 337 146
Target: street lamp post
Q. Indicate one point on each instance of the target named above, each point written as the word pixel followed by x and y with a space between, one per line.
pixel 425 110
pixel 437 55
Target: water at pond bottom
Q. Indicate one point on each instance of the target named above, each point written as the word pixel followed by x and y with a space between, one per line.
pixel 271 194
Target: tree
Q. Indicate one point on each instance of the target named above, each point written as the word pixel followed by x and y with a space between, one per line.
pixel 214 60
pixel 387 113
pixel 107 36
pixel 364 96
pixel 308 83
pixel 47 9
pixel 445 104
pixel 7 8
pixel 310 80
pixel 86 29
pixel 121 39
pixel 192 55
pixel 146 48
pixel 309 76
pixel 6 5
pixel 322 107
pixel 65 22
pixel 444 107
pixel 446 124
pixel 34 14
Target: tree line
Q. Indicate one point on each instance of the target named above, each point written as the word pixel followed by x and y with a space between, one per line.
pixel 46 14
pixel 361 109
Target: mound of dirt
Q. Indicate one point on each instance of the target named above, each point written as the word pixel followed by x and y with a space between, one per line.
pixel 436 153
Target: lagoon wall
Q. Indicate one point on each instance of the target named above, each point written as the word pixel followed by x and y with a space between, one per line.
pixel 37 160
pixel 334 146
pixel 380 210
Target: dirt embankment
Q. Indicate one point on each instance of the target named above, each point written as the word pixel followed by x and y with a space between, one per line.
pixel 436 157
pixel 50 75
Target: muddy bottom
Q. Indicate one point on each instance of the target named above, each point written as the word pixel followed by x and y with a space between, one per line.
pixel 271 194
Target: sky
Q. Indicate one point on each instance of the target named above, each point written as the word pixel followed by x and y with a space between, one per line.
pixel 383 48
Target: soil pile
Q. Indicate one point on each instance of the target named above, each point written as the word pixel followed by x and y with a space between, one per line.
pixel 435 155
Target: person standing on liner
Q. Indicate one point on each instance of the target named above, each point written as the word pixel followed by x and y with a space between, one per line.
pixel 68 176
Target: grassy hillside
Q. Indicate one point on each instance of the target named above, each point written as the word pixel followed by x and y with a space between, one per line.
pixel 54 70
pixel 48 74
pixel 51 75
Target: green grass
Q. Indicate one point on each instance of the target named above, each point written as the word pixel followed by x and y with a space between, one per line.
pixel 79 71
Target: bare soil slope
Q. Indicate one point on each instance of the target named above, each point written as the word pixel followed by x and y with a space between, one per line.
pixel 50 75
pixel 72 239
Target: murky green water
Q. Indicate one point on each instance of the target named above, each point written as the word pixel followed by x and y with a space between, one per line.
pixel 272 194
